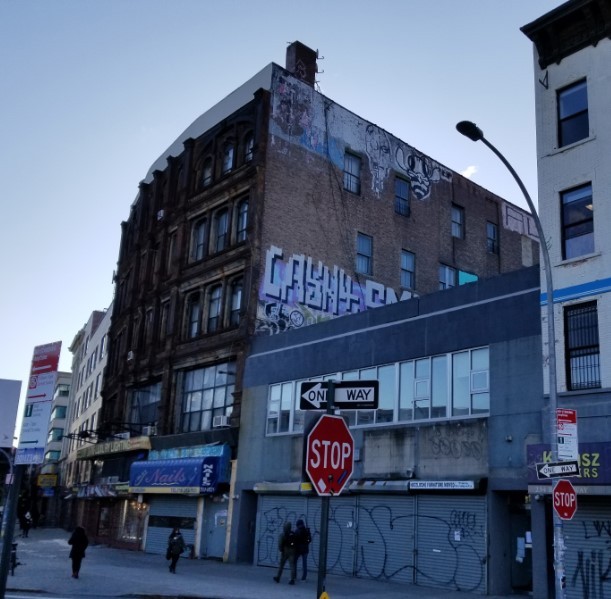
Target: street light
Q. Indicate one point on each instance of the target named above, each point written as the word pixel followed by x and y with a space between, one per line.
pixel 474 133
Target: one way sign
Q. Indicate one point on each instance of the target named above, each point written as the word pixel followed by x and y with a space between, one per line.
pixel 557 469
pixel 349 395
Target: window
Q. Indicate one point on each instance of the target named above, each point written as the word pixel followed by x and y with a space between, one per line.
pixel 573 120
pixel 458 221
pixel 214 308
pixel 198 239
pixel 364 254
pixel 227 158
pixel 242 220
pixel 577 222
pixel 408 264
pixel 52 456
pixel 62 390
pixel 401 196
pixel 452 385
pixel 221 222
pixel 164 321
pixel 144 404
pixel 207 172
pixel 582 346
pixel 206 392
pixel 103 346
pixel 236 303
pixel 148 326
pixel 352 173
pixel 55 434
pixel 171 251
pixel 447 276
pixel 492 238
pixel 194 314
pixel 249 144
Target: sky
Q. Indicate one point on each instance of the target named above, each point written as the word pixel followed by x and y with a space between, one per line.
pixel 92 92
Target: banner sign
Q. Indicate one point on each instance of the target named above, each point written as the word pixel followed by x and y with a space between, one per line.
pixel 39 399
pixel 594 461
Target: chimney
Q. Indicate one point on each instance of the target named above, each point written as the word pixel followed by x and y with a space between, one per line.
pixel 301 62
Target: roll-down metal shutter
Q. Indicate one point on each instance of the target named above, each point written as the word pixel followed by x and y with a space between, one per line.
pixel 586 560
pixel 451 541
pixel 177 506
pixel 272 512
pixel 341 540
pixel 385 547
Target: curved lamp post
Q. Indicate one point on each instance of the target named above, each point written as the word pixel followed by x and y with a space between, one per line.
pixel 474 133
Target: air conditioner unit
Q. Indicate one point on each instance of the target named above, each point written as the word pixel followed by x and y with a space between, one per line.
pixel 111 480
pixel 122 435
pixel 130 356
pixel 149 431
pixel 160 214
pixel 220 422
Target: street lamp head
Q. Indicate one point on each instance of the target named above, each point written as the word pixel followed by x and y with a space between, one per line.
pixel 470 130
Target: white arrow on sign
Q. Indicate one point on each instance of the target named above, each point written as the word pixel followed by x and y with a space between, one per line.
pixel 557 469
pixel 344 396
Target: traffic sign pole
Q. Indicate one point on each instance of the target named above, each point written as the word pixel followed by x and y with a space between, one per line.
pixel 324 513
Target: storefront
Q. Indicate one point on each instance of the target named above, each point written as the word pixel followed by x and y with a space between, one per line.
pixel 429 533
pixel 185 487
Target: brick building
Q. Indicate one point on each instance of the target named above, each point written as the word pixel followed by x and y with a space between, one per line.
pixel 276 209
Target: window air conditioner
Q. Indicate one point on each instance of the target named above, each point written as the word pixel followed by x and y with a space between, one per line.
pixel 149 431
pixel 160 214
pixel 130 356
pixel 220 422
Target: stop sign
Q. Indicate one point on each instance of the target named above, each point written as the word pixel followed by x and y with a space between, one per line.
pixel 565 499
pixel 329 455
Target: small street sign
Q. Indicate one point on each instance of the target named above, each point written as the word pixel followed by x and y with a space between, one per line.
pixel 557 469
pixel 349 395
pixel 565 499
pixel 566 431
pixel 329 455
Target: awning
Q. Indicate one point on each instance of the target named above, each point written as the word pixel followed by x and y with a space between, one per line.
pixel 186 476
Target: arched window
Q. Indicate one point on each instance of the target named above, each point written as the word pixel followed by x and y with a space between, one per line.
pixel 207 172
pixel 194 315
pixel 228 152
pixel 249 146
pixel 214 308
pixel 242 219
pixel 236 303
pixel 221 224
pixel 198 239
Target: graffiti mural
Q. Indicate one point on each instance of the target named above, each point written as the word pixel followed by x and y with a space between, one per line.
pixel 299 291
pixel 302 116
pixel 375 540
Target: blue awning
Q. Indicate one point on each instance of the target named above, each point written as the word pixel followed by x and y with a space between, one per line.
pixel 186 476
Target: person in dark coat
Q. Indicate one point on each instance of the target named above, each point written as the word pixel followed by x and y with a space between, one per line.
pixel 79 542
pixel 286 546
pixel 302 544
pixel 176 545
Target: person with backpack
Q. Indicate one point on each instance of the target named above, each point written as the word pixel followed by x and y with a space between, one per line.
pixel 304 538
pixel 287 546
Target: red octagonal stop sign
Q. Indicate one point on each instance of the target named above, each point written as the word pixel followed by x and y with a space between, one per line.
pixel 329 455
pixel 565 499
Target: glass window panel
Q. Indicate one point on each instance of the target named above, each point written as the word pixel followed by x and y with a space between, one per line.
pixel 364 417
pixel 480 359
pixel 194 421
pixel 481 403
pixel 439 382
pixel 461 396
pixel 406 390
pixel 387 393
pixel 206 423
pixel 219 397
pixel 195 403
pixel 351 375
pixel 207 399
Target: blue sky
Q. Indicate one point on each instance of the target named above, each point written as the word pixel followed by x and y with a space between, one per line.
pixel 92 93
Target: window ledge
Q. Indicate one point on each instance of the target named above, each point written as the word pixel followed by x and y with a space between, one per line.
pixel 575 144
pixel 577 259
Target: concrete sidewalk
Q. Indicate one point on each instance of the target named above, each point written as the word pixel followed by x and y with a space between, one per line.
pixel 45 568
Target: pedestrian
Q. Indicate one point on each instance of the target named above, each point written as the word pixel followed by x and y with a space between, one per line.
pixel 287 548
pixel 26 524
pixel 303 540
pixel 79 542
pixel 176 545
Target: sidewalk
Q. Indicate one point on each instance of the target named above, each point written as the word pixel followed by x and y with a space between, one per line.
pixel 45 568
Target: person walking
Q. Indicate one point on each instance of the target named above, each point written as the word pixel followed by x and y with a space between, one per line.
pixel 302 544
pixel 287 548
pixel 176 545
pixel 26 524
pixel 79 542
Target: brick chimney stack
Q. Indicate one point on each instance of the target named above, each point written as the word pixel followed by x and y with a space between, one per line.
pixel 301 62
